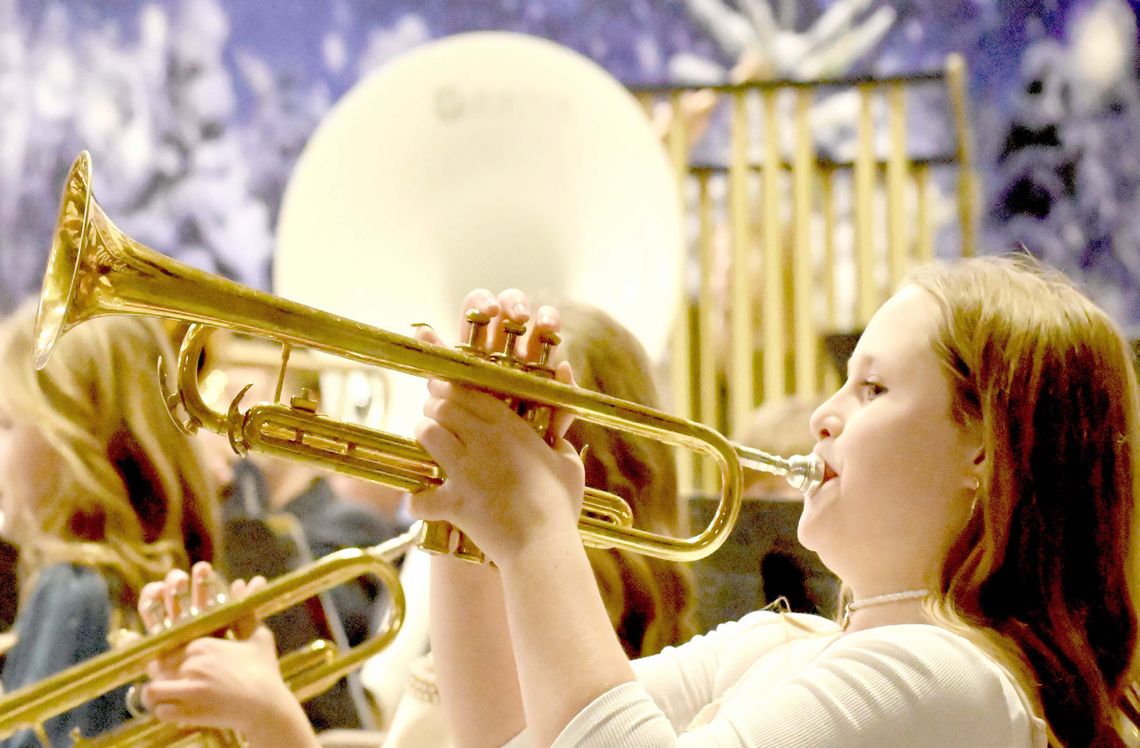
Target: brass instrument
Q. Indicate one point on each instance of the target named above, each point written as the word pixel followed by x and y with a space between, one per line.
pixel 95 269
pixel 308 671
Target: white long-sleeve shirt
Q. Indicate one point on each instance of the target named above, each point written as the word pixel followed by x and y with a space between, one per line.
pixel 764 681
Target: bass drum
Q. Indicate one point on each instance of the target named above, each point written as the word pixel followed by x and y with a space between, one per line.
pixel 487 159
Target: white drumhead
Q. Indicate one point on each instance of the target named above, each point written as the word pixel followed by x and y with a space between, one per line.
pixel 484 159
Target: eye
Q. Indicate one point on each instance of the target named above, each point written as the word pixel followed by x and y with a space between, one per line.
pixel 870 389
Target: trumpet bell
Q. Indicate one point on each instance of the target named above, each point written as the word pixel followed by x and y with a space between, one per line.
pixel 56 311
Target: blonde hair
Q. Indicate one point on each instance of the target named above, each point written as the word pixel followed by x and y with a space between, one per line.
pixel 132 496
pixel 1043 574
pixel 651 603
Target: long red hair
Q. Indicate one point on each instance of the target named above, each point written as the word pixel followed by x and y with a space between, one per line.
pixel 651 603
pixel 1044 573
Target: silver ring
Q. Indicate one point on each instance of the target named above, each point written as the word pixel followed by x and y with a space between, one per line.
pixel 133 701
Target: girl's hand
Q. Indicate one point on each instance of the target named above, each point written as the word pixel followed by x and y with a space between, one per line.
pixel 505 487
pixel 220 683
pixel 161 604
pixel 229 684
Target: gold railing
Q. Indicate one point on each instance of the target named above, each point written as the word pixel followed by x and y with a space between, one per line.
pixel 791 244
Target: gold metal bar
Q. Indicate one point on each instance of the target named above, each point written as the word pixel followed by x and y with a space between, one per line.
pixel 897 247
pixel 647 100
pixel 740 383
pixel 830 306
pixel 967 187
pixel 677 141
pixel 774 309
pixel 707 358
pixel 924 244
pixel 680 377
pixel 867 296
pixel 803 307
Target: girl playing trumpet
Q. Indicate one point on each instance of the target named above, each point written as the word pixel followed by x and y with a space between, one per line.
pixel 979 503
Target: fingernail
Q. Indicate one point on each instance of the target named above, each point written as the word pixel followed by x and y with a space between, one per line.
pixel 185 604
pixel 214 588
pixel 155 611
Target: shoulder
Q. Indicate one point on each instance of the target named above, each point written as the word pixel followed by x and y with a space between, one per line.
pixel 941 675
pixel 921 652
pixel 737 644
pixel 918 644
pixel 779 626
pixel 65 621
pixel 71 597
pixel 73 586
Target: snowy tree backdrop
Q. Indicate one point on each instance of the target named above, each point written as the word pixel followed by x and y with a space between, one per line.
pixel 196 109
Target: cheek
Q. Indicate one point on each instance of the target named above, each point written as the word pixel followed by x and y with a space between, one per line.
pixel 880 458
pixel 909 482
pixel 905 450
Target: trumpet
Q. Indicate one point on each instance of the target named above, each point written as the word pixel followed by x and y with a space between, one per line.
pixel 309 671
pixel 95 269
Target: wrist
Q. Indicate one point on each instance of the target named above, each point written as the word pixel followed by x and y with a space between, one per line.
pixel 283 723
pixel 536 550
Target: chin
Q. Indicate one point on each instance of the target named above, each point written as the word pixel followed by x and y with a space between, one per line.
pixel 807 532
pixel 815 540
pixel 817 506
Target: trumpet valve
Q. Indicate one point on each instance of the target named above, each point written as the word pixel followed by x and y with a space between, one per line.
pixel 435 537
pixel 549 341
pixel 512 332
pixel 542 368
pixel 540 418
pixel 466 549
pixel 476 323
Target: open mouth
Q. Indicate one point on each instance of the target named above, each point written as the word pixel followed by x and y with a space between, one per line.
pixel 828 473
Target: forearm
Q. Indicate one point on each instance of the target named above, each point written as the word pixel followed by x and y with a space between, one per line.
pixel 566 651
pixel 472 654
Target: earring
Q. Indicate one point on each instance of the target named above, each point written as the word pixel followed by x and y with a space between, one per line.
pixel 977 490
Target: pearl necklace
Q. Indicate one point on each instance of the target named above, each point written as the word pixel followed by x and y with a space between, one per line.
pixel 871 602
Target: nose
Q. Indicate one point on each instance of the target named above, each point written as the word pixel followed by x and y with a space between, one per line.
pixel 826 420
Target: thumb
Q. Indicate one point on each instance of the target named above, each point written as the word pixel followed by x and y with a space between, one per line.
pixel 244 627
pixel 429 504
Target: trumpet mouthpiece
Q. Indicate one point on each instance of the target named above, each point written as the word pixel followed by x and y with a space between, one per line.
pixel 805 473
pixel 802 472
